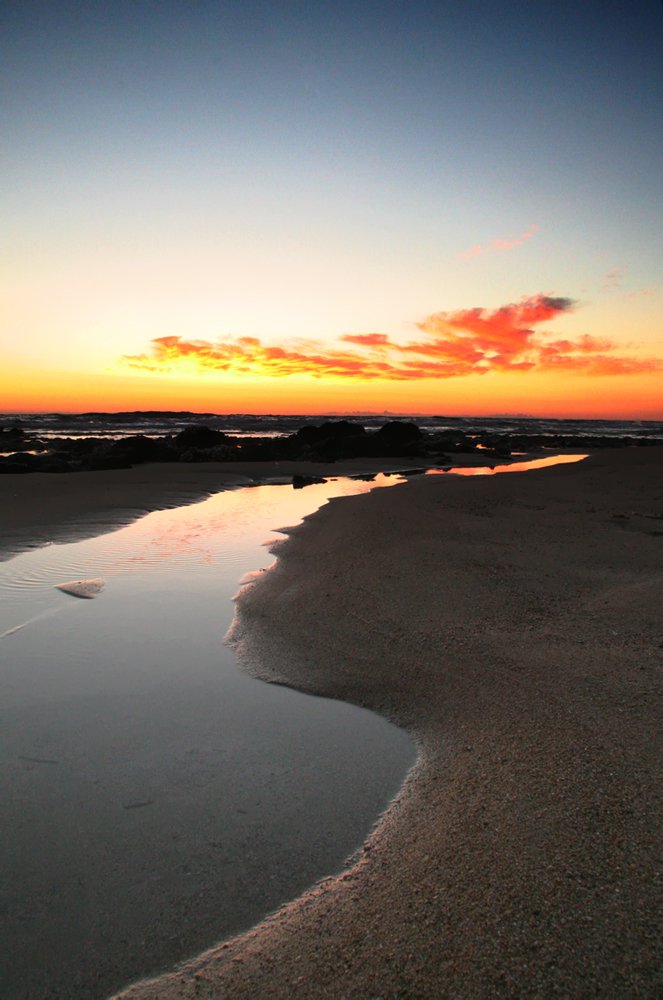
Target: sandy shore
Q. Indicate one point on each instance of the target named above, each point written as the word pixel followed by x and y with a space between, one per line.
pixel 513 625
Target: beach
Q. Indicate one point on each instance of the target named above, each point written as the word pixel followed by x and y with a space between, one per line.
pixel 512 626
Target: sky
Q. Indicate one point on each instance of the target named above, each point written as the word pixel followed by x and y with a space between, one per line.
pixel 285 207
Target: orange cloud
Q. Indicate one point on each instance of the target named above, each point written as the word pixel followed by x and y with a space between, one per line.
pixel 499 244
pixel 464 342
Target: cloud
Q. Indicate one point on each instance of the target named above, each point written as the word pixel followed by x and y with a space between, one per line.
pixel 367 339
pixel 453 344
pixel 499 244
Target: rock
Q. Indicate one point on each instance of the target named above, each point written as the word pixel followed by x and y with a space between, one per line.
pixel 330 441
pixel 299 482
pixel 199 437
pixel 82 588
pixel 128 451
pixel 397 437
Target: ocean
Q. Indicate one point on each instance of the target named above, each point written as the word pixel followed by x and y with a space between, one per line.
pixel 159 423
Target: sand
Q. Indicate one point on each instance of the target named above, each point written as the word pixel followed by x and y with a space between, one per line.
pixel 513 625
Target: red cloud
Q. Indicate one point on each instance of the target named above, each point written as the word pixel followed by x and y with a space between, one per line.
pixel 367 339
pixel 500 244
pixel 464 342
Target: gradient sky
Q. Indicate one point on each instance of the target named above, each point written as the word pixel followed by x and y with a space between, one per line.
pixel 307 207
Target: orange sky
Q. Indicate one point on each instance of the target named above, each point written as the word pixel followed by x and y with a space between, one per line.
pixel 575 395
pixel 517 358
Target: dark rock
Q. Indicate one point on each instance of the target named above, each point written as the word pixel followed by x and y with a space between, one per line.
pixel 397 437
pixel 330 441
pixel 261 450
pixel 453 441
pixel 128 451
pixel 199 437
pixel 11 434
pixel 55 463
pixel 103 457
pixel 399 431
pixel 299 482
pixel 8 465
pixel 25 458
pixel 335 430
pixel 223 453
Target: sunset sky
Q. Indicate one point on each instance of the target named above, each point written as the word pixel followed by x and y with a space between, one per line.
pixel 414 207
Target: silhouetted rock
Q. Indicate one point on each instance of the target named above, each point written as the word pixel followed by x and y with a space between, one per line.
pixel 130 451
pixel 199 437
pixel 262 450
pixel 399 437
pixel 453 441
pixel 330 440
pixel 329 430
pixel 299 482
pixel 11 436
pixel 55 463
pixel 399 431
pixel 223 453
pixel 25 458
pixel 103 457
pixel 8 465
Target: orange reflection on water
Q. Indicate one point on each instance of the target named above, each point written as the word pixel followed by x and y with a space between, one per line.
pixel 485 470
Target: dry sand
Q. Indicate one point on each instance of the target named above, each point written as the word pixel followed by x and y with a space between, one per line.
pixel 512 624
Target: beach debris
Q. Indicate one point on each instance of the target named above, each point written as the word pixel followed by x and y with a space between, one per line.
pixel 82 588
pixel 139 805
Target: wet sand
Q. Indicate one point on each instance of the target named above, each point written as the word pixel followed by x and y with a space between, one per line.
pixel 513 626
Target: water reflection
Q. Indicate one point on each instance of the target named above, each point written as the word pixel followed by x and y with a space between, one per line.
pixel 488 470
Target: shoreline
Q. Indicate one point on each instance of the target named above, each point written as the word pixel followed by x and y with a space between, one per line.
pixel 512 626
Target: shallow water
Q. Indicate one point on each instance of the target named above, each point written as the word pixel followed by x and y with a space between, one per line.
pixel 530 465
pixel 155 798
